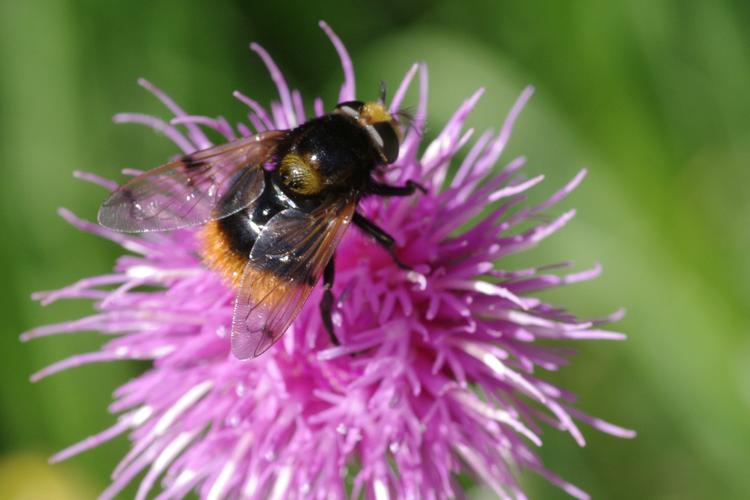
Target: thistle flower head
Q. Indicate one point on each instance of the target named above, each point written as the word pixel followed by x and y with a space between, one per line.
pixel 438 371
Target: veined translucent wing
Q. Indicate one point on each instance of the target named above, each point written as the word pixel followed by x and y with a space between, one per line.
pixel 186 192
pixel 285 264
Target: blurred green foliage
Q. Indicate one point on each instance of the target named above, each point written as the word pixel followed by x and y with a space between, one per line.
pixel 651 96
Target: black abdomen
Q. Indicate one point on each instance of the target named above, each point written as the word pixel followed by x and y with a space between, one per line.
pixel 241 229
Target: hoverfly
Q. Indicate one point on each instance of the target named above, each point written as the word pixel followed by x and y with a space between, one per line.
pixel 274 207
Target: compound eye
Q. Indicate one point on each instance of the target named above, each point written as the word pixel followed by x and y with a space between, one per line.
pixel 390 141
pixel 350 108
pixel 299 176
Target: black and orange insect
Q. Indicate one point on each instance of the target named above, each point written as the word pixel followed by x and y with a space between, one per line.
pixel 274 207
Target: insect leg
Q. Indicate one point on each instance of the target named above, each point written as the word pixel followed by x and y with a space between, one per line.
pixel 326 304
pixel 385 239
pixel 385 190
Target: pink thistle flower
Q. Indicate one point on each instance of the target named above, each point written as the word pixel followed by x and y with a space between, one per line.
pixel 437 372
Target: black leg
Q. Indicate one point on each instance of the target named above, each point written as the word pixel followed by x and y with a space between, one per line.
pixel 326 304
pixel 385 239
pixel 385 190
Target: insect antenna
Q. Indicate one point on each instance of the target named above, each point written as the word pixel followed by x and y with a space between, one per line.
pixel 406 119
pixel 382 93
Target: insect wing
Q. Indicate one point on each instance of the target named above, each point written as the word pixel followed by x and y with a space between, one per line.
pixel 285 264
pixel 186 192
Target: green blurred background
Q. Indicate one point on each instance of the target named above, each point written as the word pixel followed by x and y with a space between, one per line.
pixel 653 97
